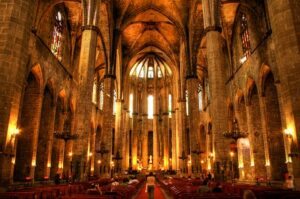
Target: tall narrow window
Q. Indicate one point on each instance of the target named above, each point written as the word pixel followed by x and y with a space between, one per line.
pixel 200 97
pixel 142 72
pixel 150 107
pixel 187 102
pixel 56 44
pixel 159 73
pixel 130 105
pixel 114 102
pixel 170 106
pixel 94 97
pixel 150 72
pixel 101 96
pixel 245 38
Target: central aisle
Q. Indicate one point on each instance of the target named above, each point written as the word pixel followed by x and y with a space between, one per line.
pixel 157 193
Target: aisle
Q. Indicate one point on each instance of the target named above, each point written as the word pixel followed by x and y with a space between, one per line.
pixel 157 193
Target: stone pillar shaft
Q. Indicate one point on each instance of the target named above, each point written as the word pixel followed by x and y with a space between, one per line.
pixel 108 120
pixel 84 98
pixel 285 35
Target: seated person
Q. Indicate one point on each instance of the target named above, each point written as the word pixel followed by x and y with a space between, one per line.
pixel 289 183
pixel 248 194
pixel 217 188
pixel 94 190
pixel 132 181
pixel 204 187
pixel 115 183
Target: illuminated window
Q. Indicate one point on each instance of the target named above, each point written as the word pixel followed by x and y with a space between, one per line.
pixel 114 102
pixel 150 72
pixel 142 72
pixel 101 96
pixel 150 107
pixel 130 105
pixel 94 97
pixel 170 106
pixel 245 38
pixel 56 44
pixel 159 73
pixel 187 102
pixel 200 97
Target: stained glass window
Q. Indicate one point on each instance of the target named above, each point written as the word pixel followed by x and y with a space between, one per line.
pixel 114 102
pixel 200 97
pixel 94 97
pixel 57 36
pixel 159 73
pixel 150 107
pixel 245 37
pixel 101 96
pixel 170 106
pixel 187 102
pixel 130 105
pixel 150 72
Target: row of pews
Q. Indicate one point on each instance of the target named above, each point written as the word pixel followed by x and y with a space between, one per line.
pixel 181 188
pixel 84 190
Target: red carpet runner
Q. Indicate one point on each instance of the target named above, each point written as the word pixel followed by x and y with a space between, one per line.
pixel 157 193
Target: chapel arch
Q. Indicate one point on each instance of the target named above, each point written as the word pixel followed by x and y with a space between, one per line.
pixel 275 131
pixel 30 115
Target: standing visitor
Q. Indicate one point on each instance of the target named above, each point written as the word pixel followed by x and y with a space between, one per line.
pixel 150 184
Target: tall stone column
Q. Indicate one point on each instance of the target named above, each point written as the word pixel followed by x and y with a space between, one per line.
pixel 216 73
pixel 265 131
pixel 192 87
pixel 50 138
pixel 125 128
pixel 285 35
pixel 108 119
pixel 118 131
pixel 85 85
pixel 155 124
pixel 257 153
pixel 16 20
pixel 180 134
pixel 134 145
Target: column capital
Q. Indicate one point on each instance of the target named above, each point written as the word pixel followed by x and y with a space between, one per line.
pixel 213 28
pixel 90 27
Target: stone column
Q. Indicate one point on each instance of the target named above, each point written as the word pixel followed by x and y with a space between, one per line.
pixel 257 155
pixel 155 123
pixel 134 130
pixel 85 84
pixel 16 22
pixel 180 134
pixel 264 132
pixel 125 130
pixel 118 131
pixel 285 36
pixel 192 86
pixel 216 72
pixel 50 139
pixel 108 119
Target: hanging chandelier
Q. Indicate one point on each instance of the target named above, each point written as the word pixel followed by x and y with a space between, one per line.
pixel 235 134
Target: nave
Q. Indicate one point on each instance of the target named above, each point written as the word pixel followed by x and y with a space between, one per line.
pixel 98 92
pixel 166 187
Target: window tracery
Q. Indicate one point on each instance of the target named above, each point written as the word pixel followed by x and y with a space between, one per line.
pixel 245 38
pixel 57 36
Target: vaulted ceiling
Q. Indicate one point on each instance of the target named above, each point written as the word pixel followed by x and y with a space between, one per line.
pixel 149 26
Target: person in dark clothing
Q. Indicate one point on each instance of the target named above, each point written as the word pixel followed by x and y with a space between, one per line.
pixel 209 176
pixel 57 179
pixel 217 188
